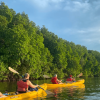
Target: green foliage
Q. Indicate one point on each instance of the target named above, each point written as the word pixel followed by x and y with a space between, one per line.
pixel 29 48
pixel 2 71
pixel 5 11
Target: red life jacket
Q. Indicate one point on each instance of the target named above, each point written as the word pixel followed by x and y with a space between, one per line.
pixel 53 80
pixel 69 79
pixel 22 86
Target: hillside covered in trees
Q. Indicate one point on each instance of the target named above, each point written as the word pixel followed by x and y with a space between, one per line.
pixel 29 48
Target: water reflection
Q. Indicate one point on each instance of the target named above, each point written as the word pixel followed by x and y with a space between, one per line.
pixel 70 93
pixel 61 93
pixel 10 86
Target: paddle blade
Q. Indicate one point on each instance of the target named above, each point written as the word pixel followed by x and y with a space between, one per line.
pixel 46 76
pixel 80 74
pixel 12 70
pixel 49 92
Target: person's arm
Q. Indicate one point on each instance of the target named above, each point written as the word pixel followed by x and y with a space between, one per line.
pixel 73 79
pixel 31 85
pixel 59 81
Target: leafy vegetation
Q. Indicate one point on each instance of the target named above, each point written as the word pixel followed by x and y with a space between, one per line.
pixel 29 48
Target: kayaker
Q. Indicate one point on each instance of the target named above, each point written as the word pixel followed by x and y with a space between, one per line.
pixel 70 79
pixel 1 95
pixel 54 80
pixel 25 83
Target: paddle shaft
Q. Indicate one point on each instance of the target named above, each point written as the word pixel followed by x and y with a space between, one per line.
pixel 38 86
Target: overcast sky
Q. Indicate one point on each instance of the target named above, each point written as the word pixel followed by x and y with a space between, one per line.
pixel 73 20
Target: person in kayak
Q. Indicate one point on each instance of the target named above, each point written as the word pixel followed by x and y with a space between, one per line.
pixel 25 83
pixel 70 79
pixel 54 80
pixel 1 95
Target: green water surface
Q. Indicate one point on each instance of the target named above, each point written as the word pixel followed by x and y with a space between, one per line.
pixel 90 92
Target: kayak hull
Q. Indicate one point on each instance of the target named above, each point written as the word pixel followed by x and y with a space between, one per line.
pixel 77 83
pixel 32 94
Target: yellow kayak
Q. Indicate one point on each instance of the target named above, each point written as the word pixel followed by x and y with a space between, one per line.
pixel 77 83
pixel 31 94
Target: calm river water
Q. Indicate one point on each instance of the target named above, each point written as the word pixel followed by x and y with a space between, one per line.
pixel 90 90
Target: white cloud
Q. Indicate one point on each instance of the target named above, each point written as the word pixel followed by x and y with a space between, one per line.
pixel 86 35
pixel 75 6
pixel 45 4
pixel 70 5
pixel 78 19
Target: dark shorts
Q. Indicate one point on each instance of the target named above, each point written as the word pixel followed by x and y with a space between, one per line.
pixel 74 81
pixel 21 91
pixel 33 89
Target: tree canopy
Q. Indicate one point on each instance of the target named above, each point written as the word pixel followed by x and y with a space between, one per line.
pixel 29 48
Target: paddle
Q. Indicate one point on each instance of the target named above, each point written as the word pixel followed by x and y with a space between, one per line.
pixel 80 75
pixel 46 76
pixel 14 71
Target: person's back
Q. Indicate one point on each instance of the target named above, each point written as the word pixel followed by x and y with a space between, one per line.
pixel 70 79
pixel 54 80
pixel 25 83
pixel 22 86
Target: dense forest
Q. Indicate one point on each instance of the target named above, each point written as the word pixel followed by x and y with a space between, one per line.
pixel 29 48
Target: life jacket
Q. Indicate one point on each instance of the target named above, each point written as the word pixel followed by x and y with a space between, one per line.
pixel 53 80
pixel 69 79
pixel 22 86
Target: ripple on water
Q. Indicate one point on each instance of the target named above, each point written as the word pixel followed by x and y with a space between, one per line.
pixel 91 97
pixel 68 93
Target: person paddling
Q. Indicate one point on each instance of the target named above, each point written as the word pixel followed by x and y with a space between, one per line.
pixel 54 80
pixel 70 79
pixel 25 83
